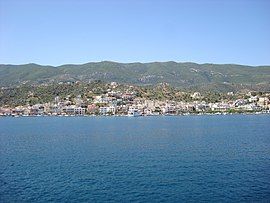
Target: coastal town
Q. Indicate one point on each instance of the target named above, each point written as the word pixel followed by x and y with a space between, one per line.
pixel 128 101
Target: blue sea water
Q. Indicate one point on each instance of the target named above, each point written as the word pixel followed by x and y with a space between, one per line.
pixel 143 159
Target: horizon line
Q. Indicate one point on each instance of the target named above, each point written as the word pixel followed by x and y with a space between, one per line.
pixel 179 62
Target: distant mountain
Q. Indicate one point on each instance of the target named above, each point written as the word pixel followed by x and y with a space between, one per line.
pixel 227 77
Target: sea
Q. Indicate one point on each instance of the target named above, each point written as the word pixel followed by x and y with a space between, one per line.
pixel 208 158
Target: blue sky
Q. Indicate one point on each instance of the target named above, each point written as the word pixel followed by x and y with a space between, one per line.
pixel 57 32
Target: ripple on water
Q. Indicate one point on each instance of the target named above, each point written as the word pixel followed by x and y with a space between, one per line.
pixel 172 159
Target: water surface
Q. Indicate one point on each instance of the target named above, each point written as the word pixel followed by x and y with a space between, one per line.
pixel 146 159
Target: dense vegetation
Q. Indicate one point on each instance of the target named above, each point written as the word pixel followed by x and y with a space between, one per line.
pixel 187 76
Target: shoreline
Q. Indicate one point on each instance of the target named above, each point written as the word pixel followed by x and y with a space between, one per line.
pixel 161 115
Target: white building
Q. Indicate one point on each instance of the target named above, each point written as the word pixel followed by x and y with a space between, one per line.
pixel 107 110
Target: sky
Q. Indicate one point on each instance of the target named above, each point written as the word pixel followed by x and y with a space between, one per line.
pixel 56 32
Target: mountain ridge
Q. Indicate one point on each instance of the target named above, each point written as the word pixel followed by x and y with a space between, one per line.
pixel 187 75
pixel 135 62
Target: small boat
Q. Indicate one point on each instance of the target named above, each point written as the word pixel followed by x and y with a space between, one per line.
pixel 133 112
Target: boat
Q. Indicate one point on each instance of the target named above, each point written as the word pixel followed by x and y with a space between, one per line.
pixel 133 112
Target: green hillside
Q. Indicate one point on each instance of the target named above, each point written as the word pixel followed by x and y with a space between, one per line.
pixel 183 75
